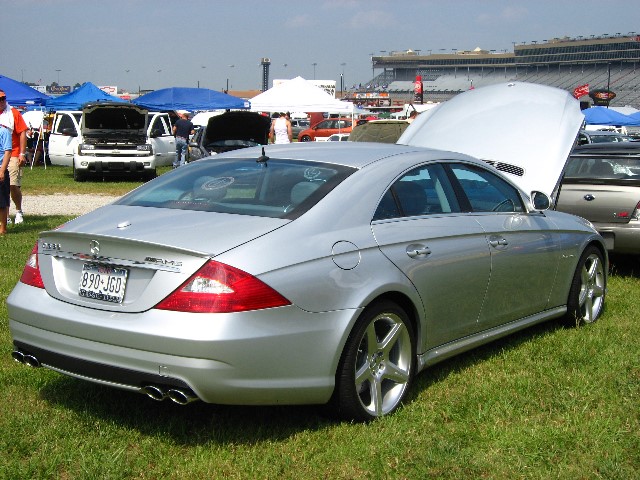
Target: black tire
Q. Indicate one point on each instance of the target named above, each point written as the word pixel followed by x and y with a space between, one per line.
pixel 149 175
pixel 77 176
pixel 377 365
pixel 305 138
pixel 588 288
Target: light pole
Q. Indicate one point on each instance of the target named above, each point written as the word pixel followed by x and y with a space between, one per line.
pixel 58 70
pixel 201 67
pixel 227 90
pixel 342 79
pixel 314 69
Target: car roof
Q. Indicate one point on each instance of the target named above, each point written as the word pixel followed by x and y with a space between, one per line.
pixel 350 154
pixel 621 148
pixel 600 132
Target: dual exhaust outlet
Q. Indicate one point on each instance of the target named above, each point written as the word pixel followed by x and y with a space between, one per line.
pixel 25 358
pixel 177 395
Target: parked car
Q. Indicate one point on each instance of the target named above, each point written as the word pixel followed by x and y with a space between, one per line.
pixel 380 131
pixel 229 131
pixel 601 136
pixel 330 272
pixel 298 125
pixel 336 137
pixel 326 128
pixel 111 138
pixel 602 184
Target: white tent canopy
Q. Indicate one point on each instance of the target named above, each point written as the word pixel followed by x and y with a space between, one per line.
pixel 298 95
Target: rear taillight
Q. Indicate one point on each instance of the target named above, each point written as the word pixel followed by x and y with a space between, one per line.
pixel 219 288
pixel 636 213
pixel 31 273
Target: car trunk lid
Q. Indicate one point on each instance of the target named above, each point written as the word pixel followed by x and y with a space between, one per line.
pixel 601 203
pixel 120 254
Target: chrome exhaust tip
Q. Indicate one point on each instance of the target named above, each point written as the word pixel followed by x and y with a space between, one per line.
pixel 31 361
pixel 18 356
pixel 153 392
pixel 181 397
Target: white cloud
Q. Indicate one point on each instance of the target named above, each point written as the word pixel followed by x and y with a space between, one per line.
pixel 299 21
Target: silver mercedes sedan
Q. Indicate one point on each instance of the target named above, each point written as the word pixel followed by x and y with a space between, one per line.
pixel 313 273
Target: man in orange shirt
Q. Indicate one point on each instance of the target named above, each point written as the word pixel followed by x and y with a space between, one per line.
pixel 12 119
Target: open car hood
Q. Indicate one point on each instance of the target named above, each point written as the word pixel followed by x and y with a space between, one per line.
pixel 238 125
pixel 524 130
pixel 100 118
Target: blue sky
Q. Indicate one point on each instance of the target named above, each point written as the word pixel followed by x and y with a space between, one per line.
pixel 152 44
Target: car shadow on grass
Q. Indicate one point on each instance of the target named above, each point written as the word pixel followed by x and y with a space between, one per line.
pixel 199 423
pixel 455 365
pixel 624 265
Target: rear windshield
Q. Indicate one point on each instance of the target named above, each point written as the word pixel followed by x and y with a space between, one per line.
pixel 603 167
pixel 275 188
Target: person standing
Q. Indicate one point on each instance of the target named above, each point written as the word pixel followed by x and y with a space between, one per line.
pixel 182 129
pixel 12 119
pixel 281 131
pixel 5 183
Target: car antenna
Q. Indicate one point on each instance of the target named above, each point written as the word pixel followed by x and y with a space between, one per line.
pixel 263 158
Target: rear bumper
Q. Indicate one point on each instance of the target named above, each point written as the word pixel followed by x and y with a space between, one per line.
pixel 277 356
pixel 621 237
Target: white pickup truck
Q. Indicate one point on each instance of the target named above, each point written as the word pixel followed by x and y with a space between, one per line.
pixel 108 138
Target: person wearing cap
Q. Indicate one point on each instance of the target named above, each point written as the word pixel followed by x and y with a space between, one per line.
pixel 182 129
pixel 12 119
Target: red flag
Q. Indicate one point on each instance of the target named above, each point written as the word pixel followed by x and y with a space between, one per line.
pixel 581 90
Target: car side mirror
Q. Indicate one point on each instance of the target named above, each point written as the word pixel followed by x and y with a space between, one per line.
pixel 156 133
pixel 69 132
pixel 540 200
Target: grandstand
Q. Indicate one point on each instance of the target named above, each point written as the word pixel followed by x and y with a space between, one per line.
pixel 604 62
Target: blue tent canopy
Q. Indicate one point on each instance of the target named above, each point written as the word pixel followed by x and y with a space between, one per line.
pixel 180 98
pixel 19 94
pixel 607 116
pixel 76 99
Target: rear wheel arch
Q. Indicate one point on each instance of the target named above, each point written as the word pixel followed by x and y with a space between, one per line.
pixel 386 365
pixel 407 305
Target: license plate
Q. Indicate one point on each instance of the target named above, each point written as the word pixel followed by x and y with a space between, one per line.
pixel 102 282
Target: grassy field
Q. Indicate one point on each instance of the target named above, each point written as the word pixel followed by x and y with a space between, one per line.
pixel 549 402
pixel 56 179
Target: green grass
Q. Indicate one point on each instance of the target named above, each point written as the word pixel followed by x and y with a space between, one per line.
pixel 548 402
pixel 56 179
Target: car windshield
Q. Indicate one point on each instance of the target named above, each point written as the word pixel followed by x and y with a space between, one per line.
pixel 272 188
pixel 603 167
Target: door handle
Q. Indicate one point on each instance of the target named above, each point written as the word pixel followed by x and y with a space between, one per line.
pixel 497 242
pixel 415 251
